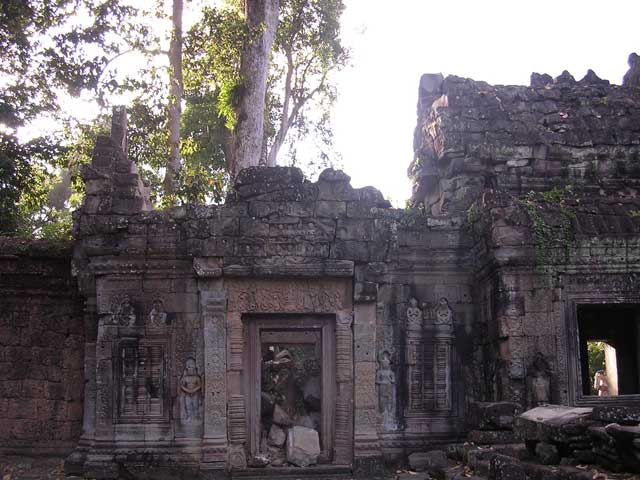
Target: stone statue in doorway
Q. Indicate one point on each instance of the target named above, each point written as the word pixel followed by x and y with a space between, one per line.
pixel 189 392
pixel 386 382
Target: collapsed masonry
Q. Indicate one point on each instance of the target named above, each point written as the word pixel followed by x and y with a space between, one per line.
pixel 309 323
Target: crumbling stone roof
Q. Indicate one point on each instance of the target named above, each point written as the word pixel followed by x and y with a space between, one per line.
pixel 555 132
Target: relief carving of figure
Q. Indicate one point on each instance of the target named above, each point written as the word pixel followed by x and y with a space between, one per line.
pixel 443 313
pixel 539 380
pixel 125 315
pixel 157 315
pixel 386 382
pixel 189 391
pixel 414 315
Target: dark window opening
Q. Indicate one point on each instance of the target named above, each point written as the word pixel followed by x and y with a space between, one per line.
pixel 609 354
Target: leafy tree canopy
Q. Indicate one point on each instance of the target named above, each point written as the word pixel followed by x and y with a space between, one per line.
pixel 60 48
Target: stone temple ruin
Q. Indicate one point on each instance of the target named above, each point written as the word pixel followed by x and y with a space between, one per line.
pixel 309 325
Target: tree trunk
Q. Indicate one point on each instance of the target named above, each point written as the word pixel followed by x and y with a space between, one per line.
pixel 175 99
pixel 262 20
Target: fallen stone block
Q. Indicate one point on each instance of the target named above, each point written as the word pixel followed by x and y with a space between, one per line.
pixel 277 436
pixel 502 467
pixel 435 462
pixel 493 415
pixel 552 423
pixel 303 446
pixel 616 414
pixel 491 437
pixel 547 453
pixel 624 437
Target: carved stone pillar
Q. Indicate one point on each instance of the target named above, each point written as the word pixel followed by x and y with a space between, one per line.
pixel 214 449
pixel 74 464
pixel 368 457
pixel 89 411
pixel 414 359
pixel 344 380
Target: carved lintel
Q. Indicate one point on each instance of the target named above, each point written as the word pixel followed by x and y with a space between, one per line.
pixel 326 268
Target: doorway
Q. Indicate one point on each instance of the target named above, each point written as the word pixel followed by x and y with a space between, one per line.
pixel 291 383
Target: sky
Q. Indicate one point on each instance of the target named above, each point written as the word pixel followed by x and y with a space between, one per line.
pixel 500 42
pixel 393 43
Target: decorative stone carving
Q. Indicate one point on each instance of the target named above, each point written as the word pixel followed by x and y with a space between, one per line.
pixel 414 356
pixel 443 313
pixel 123 313
pixel 140 376
pixel 237 457
pixel 539 381
pixel 237 420
pixel 284 296
pixel 414 315
pixel 429 357
pixel 157 315
pixel 344 347
pixel 189 392
pixel 386 382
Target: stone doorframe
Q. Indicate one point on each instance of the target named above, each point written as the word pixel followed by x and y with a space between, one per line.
pixel 325 324
pixel 301 298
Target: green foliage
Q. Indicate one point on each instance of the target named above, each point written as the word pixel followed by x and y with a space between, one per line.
pixel 307 49
pixel 550 237
pixel 595 354
pixel 212 53
pixel 51 50
pixel 56 49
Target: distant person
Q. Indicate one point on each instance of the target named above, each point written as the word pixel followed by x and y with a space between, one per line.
pixel 600 384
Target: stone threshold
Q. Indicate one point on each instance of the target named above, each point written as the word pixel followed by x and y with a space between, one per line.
pixel 322 472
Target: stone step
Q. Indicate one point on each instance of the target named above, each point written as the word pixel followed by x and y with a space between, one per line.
pixel 308 473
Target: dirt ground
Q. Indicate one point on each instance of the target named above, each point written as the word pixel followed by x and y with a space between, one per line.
pixel 25 468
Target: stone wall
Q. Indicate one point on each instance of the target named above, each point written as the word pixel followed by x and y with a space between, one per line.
pixel 472 135
pixel 41 349
pixel 545 178
pixel 279 245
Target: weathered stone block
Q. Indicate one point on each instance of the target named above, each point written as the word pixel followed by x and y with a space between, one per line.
pixel 616 414
pixel 552 423
pixel 354 229
pixel 350 250
pixel 547 453
pixel 435 462
pixel 330 209
pixel 250 227
pixel 493 415
pixel 491 437
pixel 502 467
pixel 303 446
